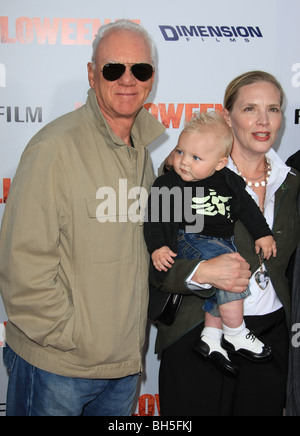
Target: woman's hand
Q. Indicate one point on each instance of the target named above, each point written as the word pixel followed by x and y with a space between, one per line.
pixel 169 160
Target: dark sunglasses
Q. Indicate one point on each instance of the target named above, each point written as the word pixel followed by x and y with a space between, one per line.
pixel 142 72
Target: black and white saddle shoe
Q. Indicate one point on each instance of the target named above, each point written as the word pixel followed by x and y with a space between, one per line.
pixel 212 351
pixel 247 346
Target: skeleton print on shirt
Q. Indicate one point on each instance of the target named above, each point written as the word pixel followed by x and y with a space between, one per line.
pixel 212 205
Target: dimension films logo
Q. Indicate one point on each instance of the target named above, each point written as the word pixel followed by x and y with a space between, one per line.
pixel 203 33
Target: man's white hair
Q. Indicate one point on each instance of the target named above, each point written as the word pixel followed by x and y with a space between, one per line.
pixel 122 25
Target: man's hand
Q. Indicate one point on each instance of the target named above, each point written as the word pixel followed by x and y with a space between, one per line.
pixel 229 272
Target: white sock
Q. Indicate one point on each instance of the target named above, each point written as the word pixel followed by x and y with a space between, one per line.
pixel 212 337
pixel 212 333
pixel 239 331
pixel 239 338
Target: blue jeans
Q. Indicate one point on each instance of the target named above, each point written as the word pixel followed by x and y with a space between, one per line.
pixel 197 246
pixel 33 392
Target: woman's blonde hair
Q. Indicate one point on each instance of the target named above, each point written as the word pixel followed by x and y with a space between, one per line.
pixel 215 122
pixel 245 79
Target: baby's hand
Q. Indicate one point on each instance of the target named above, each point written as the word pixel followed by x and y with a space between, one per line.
pixel 267 245
pixel 163 258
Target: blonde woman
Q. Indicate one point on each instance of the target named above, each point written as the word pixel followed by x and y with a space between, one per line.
pixel 189 386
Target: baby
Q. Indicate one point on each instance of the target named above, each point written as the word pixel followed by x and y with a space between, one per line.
pixel 200 161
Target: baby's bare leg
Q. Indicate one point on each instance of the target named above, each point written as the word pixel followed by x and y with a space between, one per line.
pixel 213 321
pixel 232 314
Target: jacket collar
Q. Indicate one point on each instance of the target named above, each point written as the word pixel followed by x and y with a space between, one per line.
pixel 144 131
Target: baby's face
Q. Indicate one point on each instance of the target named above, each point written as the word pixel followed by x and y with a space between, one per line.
pixel 198 156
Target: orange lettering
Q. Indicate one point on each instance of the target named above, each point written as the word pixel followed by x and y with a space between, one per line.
pixel 24 35
pixel 189 110
pixel 176 116
pixel 152 108
pixel 6 187
pixel 204 107
pixel 79 31
pixel 146 405
pixel 96 26
pixel 66 31
pixel 171 115
pixel 4 31
pixel 219 107
pixel 82 31
pixel 46 31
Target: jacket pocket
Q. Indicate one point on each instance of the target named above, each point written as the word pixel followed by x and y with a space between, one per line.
pixel 65 341
pixel 110 234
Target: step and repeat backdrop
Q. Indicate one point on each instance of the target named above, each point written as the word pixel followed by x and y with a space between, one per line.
pixel 201 46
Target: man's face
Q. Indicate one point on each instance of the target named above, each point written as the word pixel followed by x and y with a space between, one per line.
pixel 124 97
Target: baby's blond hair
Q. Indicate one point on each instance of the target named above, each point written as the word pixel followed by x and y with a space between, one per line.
pixel 215 122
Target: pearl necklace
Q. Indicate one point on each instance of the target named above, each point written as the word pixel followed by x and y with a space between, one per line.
pixel 253 182
pixel 261 276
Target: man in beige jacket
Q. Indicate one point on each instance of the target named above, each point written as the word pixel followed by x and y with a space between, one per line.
pixel 73 262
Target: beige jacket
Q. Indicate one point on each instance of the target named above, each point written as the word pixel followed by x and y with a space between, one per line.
pixel 76 289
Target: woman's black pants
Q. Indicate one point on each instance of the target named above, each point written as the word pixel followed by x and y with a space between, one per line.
pixel 191 386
